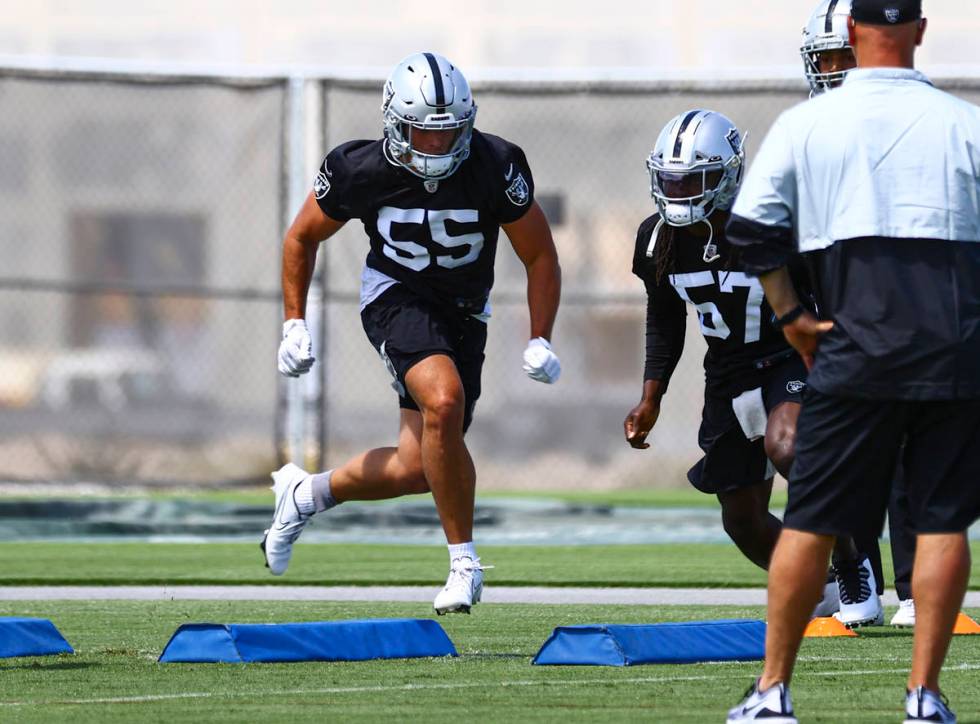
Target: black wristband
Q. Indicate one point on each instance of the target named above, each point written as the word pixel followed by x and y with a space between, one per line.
pixel 790 316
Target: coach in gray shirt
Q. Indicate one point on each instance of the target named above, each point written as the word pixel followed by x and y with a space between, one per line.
pixel 876 183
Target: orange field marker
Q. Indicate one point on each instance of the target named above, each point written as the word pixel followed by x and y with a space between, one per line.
pixel 827 626
pixel 965 625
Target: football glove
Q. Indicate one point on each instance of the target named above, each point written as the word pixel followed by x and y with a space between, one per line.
pixel 296 348
pixel 540 363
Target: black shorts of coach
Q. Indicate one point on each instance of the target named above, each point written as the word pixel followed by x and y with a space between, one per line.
pixel 405 329
pixel 732 461
pixel 847 450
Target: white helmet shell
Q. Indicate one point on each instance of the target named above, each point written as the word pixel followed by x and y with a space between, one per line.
pixel 825 30
pixel 426 91
pixel 696 167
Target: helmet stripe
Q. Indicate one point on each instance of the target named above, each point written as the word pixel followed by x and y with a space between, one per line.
pixel 437 80
pixel 828 26
pixel 679 138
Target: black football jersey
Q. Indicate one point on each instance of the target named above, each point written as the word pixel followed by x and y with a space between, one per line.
pixel 440 243
pixel 736 320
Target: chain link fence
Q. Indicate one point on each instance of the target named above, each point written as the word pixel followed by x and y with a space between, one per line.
pixel 139 303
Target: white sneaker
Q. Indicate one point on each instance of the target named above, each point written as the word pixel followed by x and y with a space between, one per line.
pixel 830 603
pixel 287 522
pixel 772 706
pixel 859 601
pixel 905 615
pixel 463 588
pixel 925 705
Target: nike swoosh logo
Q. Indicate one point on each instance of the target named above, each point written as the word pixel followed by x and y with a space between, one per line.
pixel 327 171
pixel 510 172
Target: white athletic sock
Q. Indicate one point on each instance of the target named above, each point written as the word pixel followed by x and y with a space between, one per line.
pixel 459 550
pixel 304 496
pixel 322 495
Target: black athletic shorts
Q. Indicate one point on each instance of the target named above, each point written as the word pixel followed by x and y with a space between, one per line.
pixel 405 329
pixel 846 455
pixel 732 461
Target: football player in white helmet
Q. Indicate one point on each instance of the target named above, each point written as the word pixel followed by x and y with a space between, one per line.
pixel 826 49
pixel 753 378
pixel 432 195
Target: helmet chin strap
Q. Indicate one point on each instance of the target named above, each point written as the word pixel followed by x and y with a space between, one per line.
pixel 710 249
pixel 654 237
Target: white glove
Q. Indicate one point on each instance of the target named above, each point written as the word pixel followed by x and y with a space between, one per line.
pixel 296 348
pixel 540 363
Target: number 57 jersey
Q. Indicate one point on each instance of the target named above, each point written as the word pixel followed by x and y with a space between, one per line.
pixel 735 318
pixel 438 239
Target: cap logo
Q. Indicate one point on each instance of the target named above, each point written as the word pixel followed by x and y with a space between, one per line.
pixel 892 15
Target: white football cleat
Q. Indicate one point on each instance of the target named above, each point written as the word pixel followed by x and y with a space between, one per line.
pixel 287 522
pixel 925 705
pixel 463 588
pixel 859 601
pixel 830 603
pixel 772 706
pixel 905 615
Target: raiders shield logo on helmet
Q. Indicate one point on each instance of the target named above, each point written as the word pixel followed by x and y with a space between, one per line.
pixel 321 185
pixel 518 192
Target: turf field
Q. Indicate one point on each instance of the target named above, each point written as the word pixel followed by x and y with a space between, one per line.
pixel 668 565
pixel 114 676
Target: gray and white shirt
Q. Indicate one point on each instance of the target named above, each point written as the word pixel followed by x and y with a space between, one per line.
pixel 878 182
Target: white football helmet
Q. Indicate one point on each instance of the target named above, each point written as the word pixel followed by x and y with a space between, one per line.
pixel 826 30
pixel 425 91
pixel 695 169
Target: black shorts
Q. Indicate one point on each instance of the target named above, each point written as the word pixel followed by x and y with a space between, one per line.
pixel 846 455
pixel 732 461
pixel 405 329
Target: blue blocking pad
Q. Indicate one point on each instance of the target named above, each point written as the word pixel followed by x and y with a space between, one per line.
pixel 321 641
pixel 31 637
pixel 661 643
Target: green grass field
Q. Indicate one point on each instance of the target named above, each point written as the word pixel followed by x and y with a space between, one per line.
pixel 114 676
pixel 668 565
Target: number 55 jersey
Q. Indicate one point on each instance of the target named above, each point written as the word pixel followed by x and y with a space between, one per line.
pixel 437 238
pixel 736 320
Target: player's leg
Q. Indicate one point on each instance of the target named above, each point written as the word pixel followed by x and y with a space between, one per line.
pixel 902 540
pixel 748 522
pixel 446 389
pixel 376 474
pixel 837 486
pixel 736 470
pixel 382 473
pixel 435 384
pixel 780 441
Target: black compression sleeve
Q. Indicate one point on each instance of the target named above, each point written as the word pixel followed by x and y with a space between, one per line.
pixel 666 325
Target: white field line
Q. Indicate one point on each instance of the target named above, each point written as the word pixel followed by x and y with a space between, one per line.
pixel 440 687
pixel 492 594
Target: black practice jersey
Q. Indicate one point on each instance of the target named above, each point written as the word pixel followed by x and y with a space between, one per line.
pixel 736 319
pixel 441 243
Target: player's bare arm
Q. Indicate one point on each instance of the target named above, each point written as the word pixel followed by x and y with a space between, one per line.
pixel 310 227
pixel 532 241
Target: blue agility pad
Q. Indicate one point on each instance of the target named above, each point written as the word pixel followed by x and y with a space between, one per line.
pixel 661 643
pixel 321 641
pixel 31 637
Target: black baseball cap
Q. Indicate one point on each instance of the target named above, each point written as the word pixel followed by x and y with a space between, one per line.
pixel 886 12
